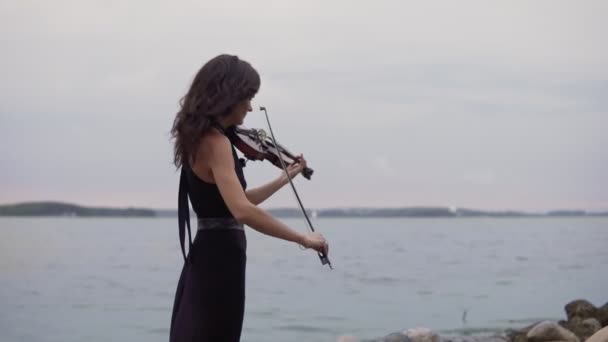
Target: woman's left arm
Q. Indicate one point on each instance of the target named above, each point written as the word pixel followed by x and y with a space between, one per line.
pixel 261 193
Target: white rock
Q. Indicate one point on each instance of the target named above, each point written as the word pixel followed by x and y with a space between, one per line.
pixel 600 336
pixel 347 338
pixel 550 331
pixel 422 334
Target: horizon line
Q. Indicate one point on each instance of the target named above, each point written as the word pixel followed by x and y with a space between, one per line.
pixel 449 207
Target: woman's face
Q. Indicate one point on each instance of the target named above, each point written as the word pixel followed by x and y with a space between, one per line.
pixel 240 111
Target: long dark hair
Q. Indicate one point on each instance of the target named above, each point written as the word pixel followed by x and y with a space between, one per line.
pixel 222 83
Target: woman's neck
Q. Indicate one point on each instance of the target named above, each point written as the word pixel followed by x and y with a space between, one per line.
pixel 225 123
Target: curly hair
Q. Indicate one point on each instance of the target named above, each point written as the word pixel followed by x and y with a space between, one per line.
pixel 221 84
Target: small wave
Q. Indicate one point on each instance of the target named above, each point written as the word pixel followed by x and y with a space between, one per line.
pixel 82 305
pixel 114 308
pixel 373 280
pixel 264 313
pixel 424 292
pixel 452 262
pixel 504 282
pixel 452 294
pixel 473 331
pixel 481 296
pixel 153 308
pixel 382 280
pixel 329 318
pixel 571 267
pixel 153 331
pixel 529 320
pixel 121 267
pixel 509 273
pixel 306 329
pixel 158 331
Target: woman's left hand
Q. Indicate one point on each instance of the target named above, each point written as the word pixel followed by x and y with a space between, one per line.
pixel 296 167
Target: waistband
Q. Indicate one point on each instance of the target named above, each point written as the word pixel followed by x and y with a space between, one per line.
pixel 219 223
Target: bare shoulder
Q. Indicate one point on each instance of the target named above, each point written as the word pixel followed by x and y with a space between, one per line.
pixel 215 147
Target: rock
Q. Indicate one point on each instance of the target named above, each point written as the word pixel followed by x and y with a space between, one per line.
pixel 603 315
pixel 347 338
pixel 550 331
pixel 422 334
pixel 582 309
pixel 600 336
pixel 393 337
pixel 396 337
pixel 593 323
pixel 491 338
pixel 583 328
pixel 520 335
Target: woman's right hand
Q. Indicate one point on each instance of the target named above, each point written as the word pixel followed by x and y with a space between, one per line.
pixel 317 242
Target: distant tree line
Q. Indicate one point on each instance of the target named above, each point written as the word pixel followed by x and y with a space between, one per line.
pixel 68 209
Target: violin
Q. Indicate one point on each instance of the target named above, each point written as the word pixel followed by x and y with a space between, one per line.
pixel 256 145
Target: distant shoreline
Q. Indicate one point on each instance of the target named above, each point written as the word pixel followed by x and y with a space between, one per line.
pixel 62 209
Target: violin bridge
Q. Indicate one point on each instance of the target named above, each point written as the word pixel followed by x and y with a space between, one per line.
pixel 261 135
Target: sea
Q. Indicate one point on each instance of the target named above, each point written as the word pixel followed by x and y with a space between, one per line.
pixel 114 279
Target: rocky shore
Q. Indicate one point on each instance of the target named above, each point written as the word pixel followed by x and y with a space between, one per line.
pixel 584 323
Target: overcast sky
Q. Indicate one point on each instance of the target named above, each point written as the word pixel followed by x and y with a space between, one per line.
pixel 491 105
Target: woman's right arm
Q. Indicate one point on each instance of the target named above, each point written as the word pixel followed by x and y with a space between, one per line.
pixel 221 162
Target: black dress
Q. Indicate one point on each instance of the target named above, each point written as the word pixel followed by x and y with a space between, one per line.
pixel 210 297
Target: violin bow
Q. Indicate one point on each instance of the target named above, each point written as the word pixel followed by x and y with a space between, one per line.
pixel 322 256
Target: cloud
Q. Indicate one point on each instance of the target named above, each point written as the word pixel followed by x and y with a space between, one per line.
pixel 383 167
pixel 480 177
pixel 435 99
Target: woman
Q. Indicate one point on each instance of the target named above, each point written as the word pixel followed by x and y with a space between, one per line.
pixel 210 297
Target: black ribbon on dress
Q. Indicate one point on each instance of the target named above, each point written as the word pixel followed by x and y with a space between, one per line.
pixel 183 213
